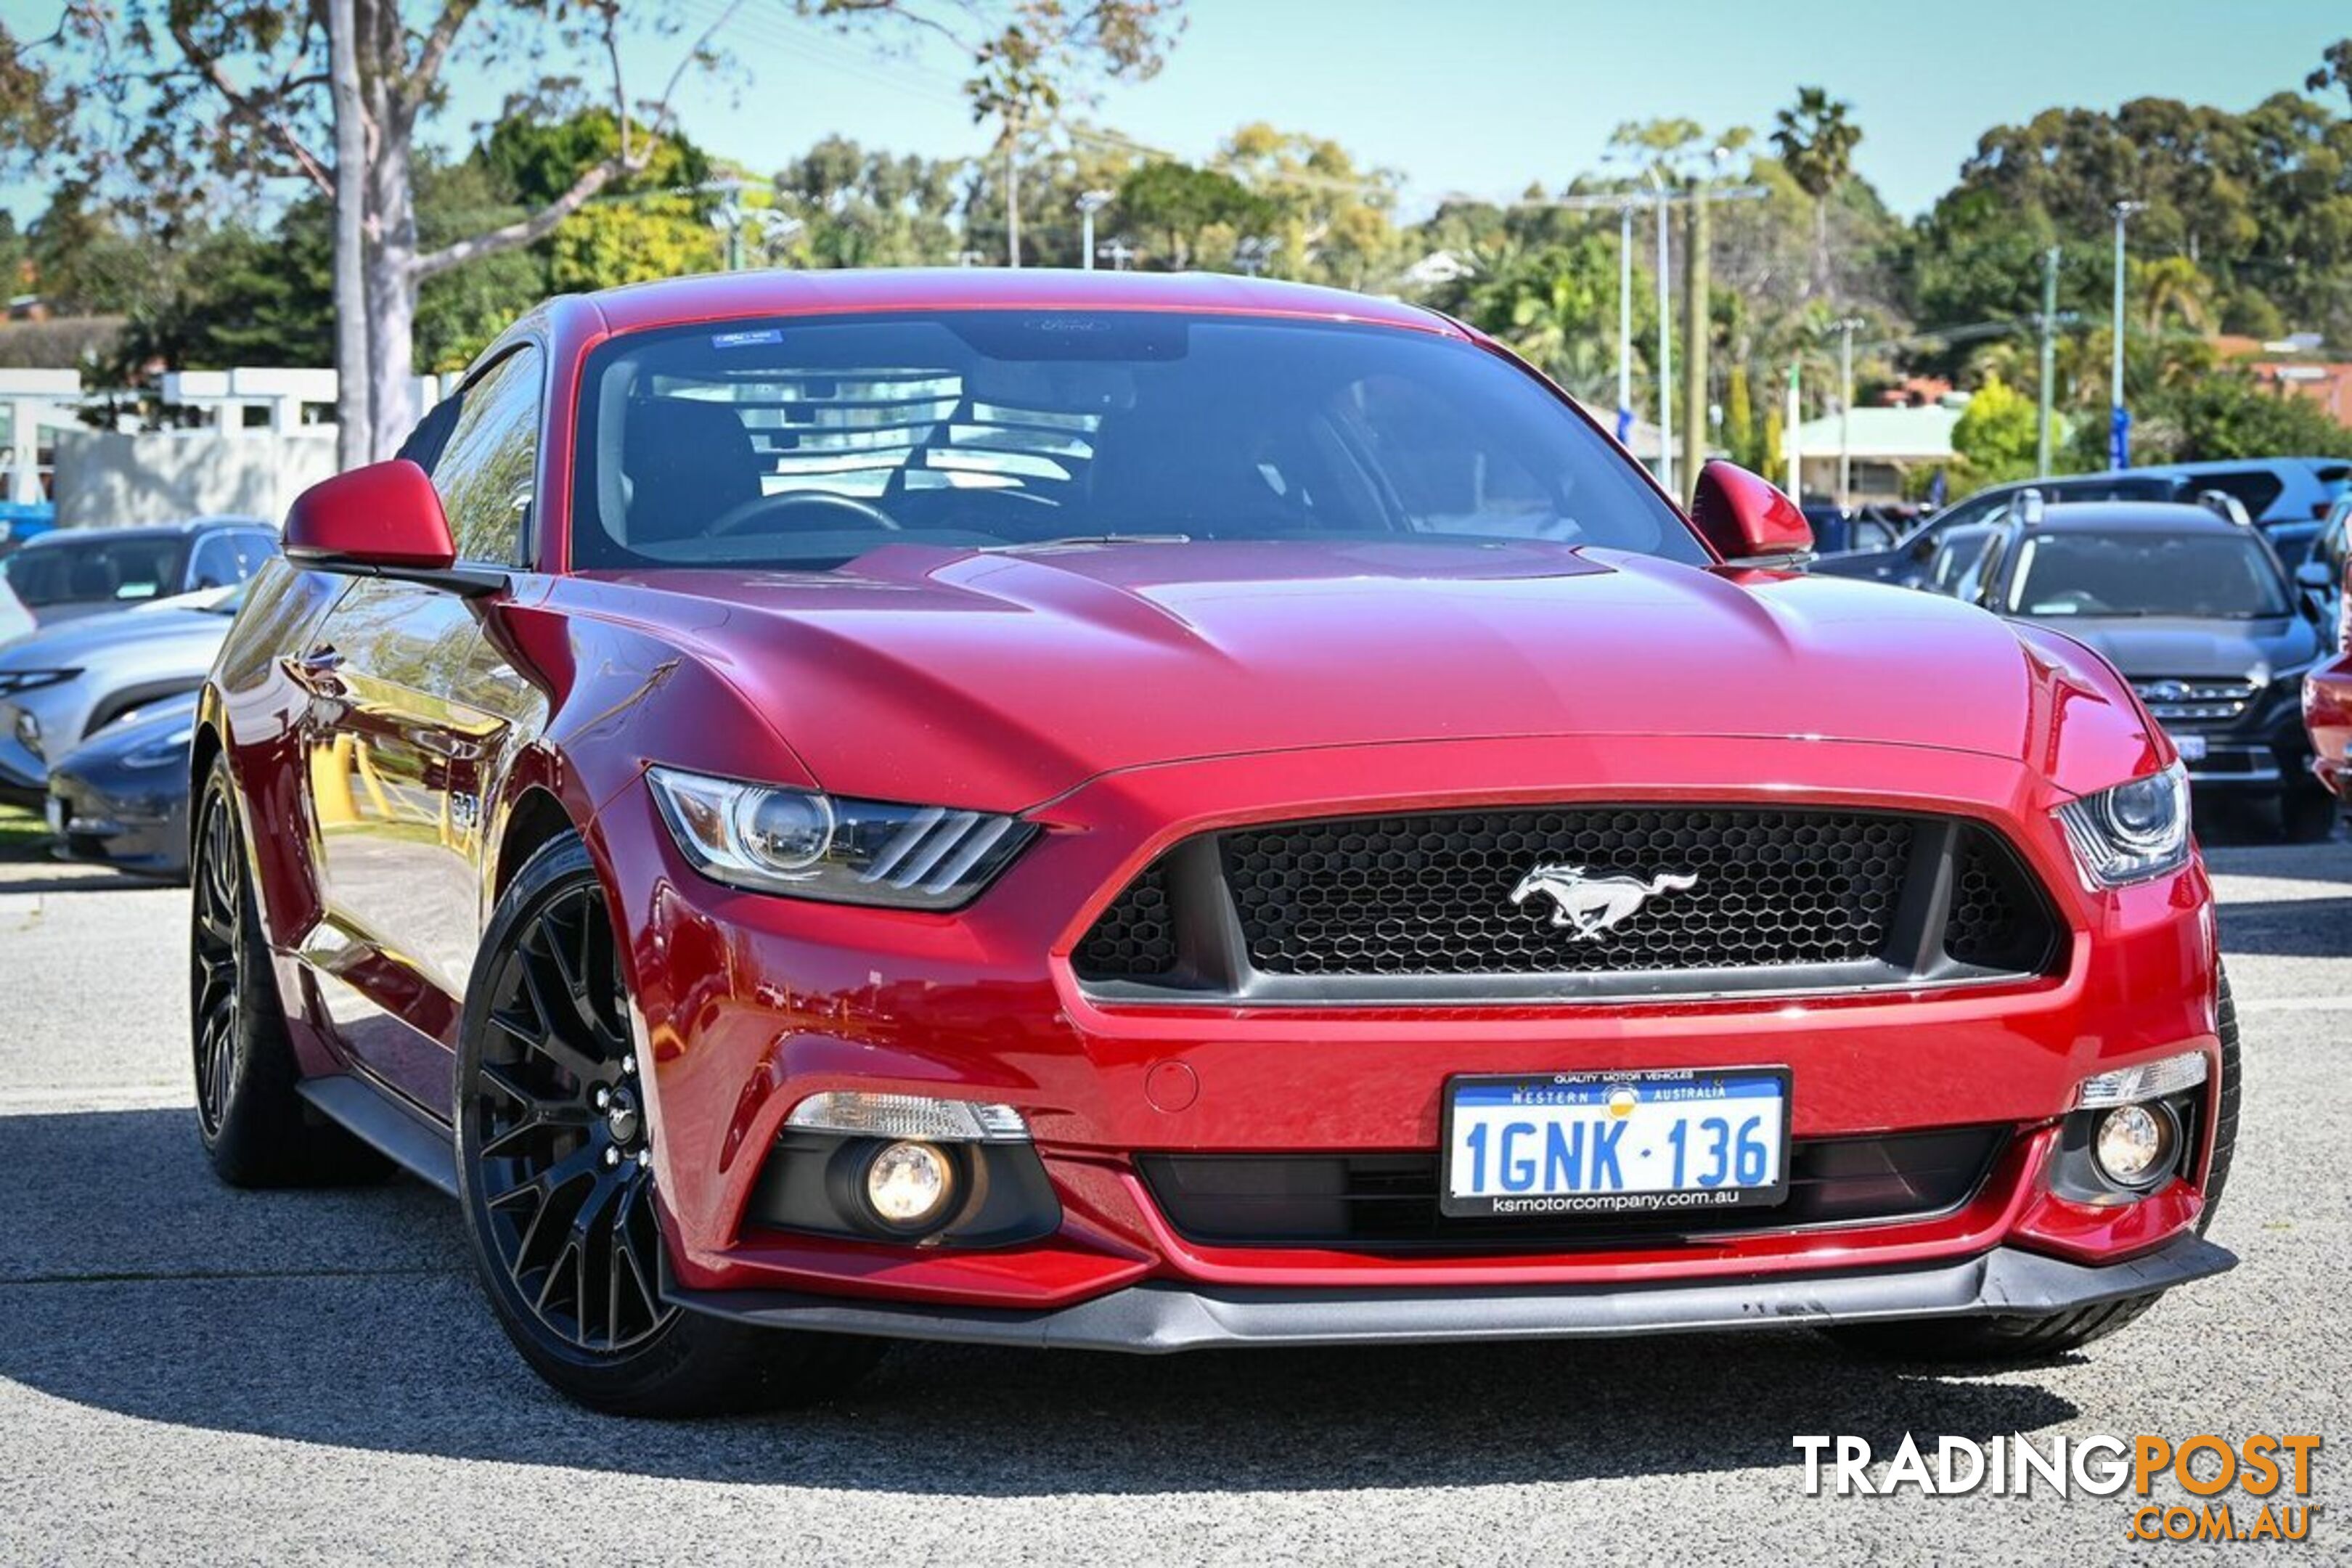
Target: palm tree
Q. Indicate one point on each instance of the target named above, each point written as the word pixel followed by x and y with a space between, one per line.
pixel 2174 286
pixel 1816 142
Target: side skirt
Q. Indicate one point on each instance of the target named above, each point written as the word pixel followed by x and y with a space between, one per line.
pixel 424 1148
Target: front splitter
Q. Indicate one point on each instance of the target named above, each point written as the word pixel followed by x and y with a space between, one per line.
pixel 1155 1318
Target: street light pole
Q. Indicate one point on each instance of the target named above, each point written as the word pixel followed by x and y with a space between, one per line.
pixel 2118 417
pixel 2049 347
pixel 1665 349
pixel 1625 323
pixel 1845 330
pixel 1089 204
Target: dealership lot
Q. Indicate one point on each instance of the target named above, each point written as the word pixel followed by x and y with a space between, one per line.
pixel 194 1374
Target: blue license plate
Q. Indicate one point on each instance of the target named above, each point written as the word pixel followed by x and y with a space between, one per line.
pixel 1670 1142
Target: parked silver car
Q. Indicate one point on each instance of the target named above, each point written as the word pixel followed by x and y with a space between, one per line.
pixel 67 682
pixel 74 571
pixel 15 621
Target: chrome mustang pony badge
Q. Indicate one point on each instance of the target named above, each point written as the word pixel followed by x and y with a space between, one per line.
pixel 1591 905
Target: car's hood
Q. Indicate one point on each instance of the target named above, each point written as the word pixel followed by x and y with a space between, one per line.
pixel 77 642
pixel 2144 647
pixel 1013 676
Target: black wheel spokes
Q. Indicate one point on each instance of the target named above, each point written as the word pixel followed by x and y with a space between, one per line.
pixel 559 1149
pixel 213 963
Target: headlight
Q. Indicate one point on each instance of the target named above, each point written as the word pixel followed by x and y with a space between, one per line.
pixel 161 753
pixel 15 681
pixel 2131 831
pixel 815 846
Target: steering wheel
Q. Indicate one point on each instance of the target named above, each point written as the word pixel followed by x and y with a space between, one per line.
pixel 737 518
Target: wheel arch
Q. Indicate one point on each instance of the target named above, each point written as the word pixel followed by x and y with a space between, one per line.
pixel 536 817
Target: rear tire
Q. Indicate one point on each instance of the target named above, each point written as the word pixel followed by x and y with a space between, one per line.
pixel 256 1130
pixel 2013 1339
pixel 554 1177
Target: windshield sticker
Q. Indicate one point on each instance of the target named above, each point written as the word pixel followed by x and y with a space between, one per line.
pixel 747 339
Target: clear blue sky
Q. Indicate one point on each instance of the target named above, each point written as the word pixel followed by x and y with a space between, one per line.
pixel 1484 96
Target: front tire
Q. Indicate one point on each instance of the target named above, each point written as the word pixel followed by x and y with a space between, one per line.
pixel 256 1129
pixel 555 1181
pixel 2014 1339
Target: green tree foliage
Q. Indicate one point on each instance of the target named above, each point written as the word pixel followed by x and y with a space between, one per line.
pixel 1994 439
pixel 1816 142
pixel 1334 220
pixel 862 208
pixel 2219 415
pixel 1176 204
pixel 1741 438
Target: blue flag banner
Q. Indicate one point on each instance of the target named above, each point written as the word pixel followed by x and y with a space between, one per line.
pixel 2119 437
pixel 1624 426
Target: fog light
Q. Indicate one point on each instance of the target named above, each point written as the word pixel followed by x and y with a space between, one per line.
pixel 2133 1144
pixel 909 1185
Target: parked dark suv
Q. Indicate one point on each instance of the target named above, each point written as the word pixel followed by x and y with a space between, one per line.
pixel 2194 610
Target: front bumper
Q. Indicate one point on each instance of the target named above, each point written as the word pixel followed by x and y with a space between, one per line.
pixel 1155 1318
pixel 748 1005
pixel 135 823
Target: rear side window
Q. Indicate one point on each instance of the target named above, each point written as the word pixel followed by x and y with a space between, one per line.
pixel 2254 488
pixel 215 565
pixel 487 471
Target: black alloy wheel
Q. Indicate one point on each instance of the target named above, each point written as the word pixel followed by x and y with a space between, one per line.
pixel 556 1129
pixel 214 963
pixel 556 1180
pixel 255 1127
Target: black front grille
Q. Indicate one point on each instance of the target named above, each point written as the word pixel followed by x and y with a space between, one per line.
pixel 1433 895
pixel 1135 935
pixel 1534 902
pixel 1994 922
pixel 1390 1200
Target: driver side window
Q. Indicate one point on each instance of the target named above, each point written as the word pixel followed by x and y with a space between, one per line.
pixel 487 471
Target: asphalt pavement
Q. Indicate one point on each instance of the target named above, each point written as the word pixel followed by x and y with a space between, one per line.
pixel 190 1374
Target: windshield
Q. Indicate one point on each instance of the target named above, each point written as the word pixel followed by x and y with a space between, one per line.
pixel 808 442
pixel 98 569
pixel 2218 575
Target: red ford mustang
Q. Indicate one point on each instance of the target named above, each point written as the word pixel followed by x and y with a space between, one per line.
pixel 1146 813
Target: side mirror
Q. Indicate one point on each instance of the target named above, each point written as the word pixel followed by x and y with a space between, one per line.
pixel 2317 585
pixel 380 521
pixel 1749 521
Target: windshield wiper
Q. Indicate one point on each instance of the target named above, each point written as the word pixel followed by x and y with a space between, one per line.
pixel 1089 539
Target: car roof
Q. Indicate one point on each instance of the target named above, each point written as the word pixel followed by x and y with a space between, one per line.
pixel 776 292
pixel 2129 516
pixel 2242 465
pixel 184 526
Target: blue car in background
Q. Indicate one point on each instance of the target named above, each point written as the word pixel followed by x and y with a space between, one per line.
pixel 120 798
pixel 2272 490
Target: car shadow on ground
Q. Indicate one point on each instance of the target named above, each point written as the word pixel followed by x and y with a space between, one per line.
pixel 131 1283
pixel 2288 928
pixel 14 879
